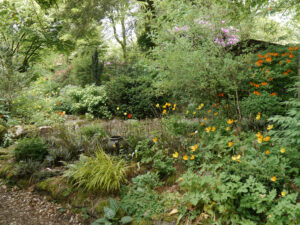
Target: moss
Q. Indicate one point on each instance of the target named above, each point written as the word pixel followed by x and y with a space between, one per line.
pixel 56 187
pixel 164 219
pixel 99 207
pixel 80 199
pixel 141 222
pixel 5 169
pixel 3 131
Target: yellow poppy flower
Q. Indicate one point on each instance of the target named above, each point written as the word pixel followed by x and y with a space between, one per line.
pixel 192 157
pixel 164 106
pixel 259 140
pixel 164 111
pixel 208 129
pixel 268 152
pixel 228 128
pixel 194 148
pixel 194 113
pixel 187 112
pixel 213 129
pixel 282 150
pixel 216 113
pixel 267 138
pixel 258 116
pixel 230 121
pixel 259 135
pixel 157 105
pixel 125 114
pixel 154 139
pixel 118 108
pixel 273 179
pixel 283 193
pixel 185 157
pixel 175 155
pixel 230 144
pixel 270 127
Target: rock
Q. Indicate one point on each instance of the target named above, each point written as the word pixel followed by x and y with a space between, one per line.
pixel 45 130
pixel 21 131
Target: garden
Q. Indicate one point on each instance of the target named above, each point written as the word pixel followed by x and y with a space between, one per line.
pixel 151 112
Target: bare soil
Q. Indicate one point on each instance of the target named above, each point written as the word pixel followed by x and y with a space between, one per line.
pixel 24 207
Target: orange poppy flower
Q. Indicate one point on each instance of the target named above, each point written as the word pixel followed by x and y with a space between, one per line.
pixel 291 48
pixel 275 54
pixel 273 94
pixel 259 62
pixel 291 56
pixel 296 48
pixel 259 55
pixel 288 71
pixel 288 60
pixel 256 85
pixel 270 79
pixel 256 93
pixel 285 73
pixel 269 59
pixel 58 103
pixel 264 83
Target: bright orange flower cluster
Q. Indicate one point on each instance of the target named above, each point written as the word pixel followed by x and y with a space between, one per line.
pixel 256 93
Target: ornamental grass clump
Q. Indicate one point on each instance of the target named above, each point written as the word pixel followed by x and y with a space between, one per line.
pixel 98 173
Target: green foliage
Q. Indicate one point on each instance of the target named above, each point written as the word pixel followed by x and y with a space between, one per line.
pixel 87 69
pixel 135 95
pixel 141 202
pixel 265 104
pixel 111 215
pixel 31 148
pixel 147 180
pixel 288 134
pixel 66 144
pixel 218 195
pixel 98 173
pixel 27 168
pixel 77 100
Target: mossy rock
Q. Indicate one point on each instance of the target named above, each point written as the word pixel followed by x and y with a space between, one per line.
pixel 141 222
pixel 56 187
pixel 164 219
pixel 5 170
pixel 98 208
pixel 80 199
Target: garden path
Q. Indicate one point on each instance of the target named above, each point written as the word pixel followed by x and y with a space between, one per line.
pixel 24 207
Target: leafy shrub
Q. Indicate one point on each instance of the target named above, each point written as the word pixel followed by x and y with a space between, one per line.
pixel 135 95
pixel 147 180
pixel 90 131
pixel 288 134
pixel 31 148
pixel 140 202
pixel 27 168
pixel 66 143
pixel 217 195
pixel 265 104
pixel 101 172
pixel 77 100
